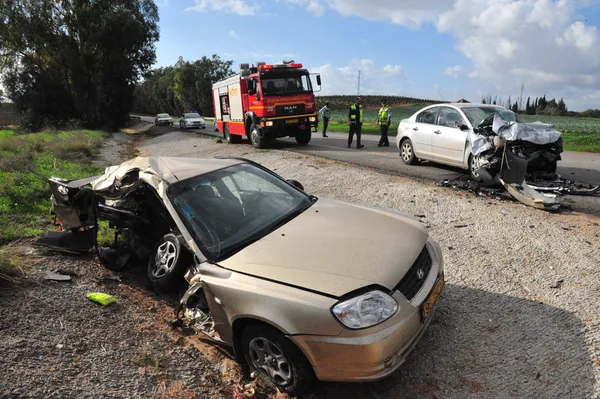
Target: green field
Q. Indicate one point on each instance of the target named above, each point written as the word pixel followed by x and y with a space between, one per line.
pixel 579 134
pixel 26 161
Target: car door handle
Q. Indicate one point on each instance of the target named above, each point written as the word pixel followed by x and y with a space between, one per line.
pixel 415 129
pixel 438 132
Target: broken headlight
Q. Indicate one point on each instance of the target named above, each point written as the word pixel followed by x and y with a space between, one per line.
pixel 365 310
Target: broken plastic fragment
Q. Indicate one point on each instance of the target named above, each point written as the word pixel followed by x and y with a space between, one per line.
pixel 101 298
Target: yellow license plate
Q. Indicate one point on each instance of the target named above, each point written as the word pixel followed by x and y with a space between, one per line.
pixel 432 299
pixel 292 121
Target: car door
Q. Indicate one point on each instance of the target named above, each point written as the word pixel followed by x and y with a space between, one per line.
pixel 449 137
pixel 422 131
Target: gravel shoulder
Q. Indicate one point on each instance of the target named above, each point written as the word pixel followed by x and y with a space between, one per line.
pixel 520 315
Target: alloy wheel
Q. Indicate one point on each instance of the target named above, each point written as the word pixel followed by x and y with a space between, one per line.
pixel 164 261
pixel 269 358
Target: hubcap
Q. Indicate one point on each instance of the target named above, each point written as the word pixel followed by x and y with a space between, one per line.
pixel 254 136
pixel 267 356
pixel 406 152
pixel 476 163
pixel 164 261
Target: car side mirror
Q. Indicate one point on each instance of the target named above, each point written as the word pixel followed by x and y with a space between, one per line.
pixel 319 80
pixel 296 184
pixel 464 128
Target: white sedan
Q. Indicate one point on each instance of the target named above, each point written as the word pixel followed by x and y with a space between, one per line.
pixel 192 120
pixel 440 133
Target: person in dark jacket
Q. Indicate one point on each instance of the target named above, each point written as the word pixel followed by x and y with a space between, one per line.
pixel 355 120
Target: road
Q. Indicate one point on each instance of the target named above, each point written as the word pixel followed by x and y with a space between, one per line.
pixel 582 167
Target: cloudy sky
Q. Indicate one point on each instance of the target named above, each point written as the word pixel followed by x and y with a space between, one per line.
pixel 438 49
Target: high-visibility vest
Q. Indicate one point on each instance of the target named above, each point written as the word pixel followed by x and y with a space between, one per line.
pixel 325 112
pixel 353 114
pixel 383 114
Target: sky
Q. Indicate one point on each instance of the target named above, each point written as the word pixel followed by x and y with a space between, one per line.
pixel 434 49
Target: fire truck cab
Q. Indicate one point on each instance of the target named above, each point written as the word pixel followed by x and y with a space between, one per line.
pixel 266 102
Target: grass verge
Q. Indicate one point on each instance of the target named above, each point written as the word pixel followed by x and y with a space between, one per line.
pixel 26 162
pixel 10 271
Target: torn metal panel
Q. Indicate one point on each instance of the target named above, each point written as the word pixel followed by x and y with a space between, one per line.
pixel 536 133
pixel 529 196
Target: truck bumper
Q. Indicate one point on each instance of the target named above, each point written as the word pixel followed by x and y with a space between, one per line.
pixel 287 126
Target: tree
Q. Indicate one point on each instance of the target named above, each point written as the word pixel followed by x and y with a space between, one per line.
pixel 76 59
pixel 515 107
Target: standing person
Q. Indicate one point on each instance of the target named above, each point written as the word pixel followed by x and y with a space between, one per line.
pixel 325 114
pixel 384 118
pixel 355 120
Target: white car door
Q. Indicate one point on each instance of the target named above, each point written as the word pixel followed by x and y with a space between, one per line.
pixel 422 132
pixel 449 137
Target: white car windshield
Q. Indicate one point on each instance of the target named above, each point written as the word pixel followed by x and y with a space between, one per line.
pixel 192 116
pixel 163 116
pixel 228 209
pixel 476 115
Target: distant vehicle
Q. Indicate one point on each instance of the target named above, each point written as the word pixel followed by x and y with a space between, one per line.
pixel 163 120
pixel 265 102
pixel 192 120
pixel 473 137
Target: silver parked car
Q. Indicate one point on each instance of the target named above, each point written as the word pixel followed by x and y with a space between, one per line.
pixel 163 120
pixel 192 120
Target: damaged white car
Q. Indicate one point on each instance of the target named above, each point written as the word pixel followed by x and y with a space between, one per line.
pixel 490 141
pixel 290 281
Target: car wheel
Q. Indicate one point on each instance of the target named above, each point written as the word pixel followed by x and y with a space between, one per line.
pixel 168 263
pixel 303 138
pixel 180 125
pixel 255 139
pixel 280 363
pixel 407 153
pixel 474 164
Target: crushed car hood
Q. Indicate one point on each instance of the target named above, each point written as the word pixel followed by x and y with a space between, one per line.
pixel 335 248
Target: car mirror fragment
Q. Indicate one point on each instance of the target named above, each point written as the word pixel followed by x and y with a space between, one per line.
pixel 296 184
pixel 464 128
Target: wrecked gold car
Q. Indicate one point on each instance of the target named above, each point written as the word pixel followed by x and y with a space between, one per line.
pixel 299 286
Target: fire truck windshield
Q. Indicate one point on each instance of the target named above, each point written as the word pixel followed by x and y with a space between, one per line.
pixel 280 85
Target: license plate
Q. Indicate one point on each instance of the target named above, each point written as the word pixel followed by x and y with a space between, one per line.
pixel 432 299
pixel 292 121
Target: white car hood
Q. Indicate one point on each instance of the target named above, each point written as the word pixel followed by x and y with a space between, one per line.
pixel 335 248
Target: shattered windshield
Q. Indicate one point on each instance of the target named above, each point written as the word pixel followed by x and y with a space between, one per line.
pixel 277 85
pixel 476 115
pixel 228 209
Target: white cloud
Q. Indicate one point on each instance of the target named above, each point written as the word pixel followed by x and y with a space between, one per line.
pixel 453 71
pixel 344 79
pixel 241 7
pixel 543 43
pixel 233 34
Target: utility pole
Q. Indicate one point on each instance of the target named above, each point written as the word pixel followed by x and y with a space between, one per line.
pixel 521 98
pixel 358 90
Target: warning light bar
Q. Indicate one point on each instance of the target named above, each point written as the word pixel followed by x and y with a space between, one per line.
pixel 266 67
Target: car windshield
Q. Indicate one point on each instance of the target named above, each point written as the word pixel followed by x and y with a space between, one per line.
pixel 192 115
pixel 476 115
pixel 163 115
pixel 228 209
pixel 274 85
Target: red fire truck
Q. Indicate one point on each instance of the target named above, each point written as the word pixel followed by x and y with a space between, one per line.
pixel 266 102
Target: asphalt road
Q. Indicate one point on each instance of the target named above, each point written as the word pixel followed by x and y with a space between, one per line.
pixel 582 167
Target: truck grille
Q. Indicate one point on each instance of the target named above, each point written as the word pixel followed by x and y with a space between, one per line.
pixel 410 285
pixel 295 109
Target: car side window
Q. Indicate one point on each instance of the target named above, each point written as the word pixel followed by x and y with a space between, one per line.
pixel 428 116
pixel 450 118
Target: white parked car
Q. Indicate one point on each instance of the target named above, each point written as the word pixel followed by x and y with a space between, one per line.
pixel 462 135
pixel 191 120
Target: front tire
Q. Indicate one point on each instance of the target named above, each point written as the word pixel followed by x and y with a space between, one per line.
pixel 255 138
pixel 303 138
pixel 407 153
pixel 168 263
pixel 474 165
pixel 276 359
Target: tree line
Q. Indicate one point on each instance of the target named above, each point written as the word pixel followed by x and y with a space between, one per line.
pixel 75 61
pixel 342 102
pixel 539 106
pixel 183 87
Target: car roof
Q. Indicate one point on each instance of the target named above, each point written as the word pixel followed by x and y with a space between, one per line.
pixel 468 105
pixel 174 169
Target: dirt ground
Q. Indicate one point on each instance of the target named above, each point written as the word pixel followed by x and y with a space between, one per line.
pixel 519 317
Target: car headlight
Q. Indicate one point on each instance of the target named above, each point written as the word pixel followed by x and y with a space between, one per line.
pixel 365 310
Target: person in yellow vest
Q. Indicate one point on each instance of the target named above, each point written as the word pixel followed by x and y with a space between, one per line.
pixel 355 120
pixel 384 118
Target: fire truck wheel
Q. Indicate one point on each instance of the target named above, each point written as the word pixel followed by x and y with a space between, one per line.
pixel 303 138
pixel 231 139
pixel 255 138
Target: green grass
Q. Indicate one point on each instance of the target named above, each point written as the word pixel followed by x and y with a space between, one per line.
pixel 26 162
pixel 9 267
